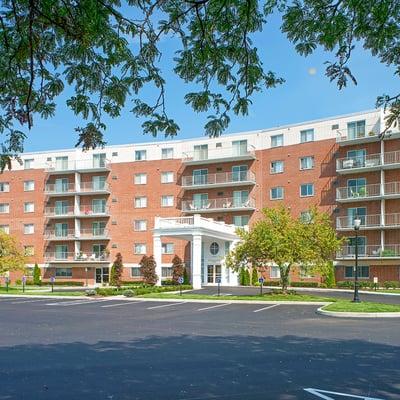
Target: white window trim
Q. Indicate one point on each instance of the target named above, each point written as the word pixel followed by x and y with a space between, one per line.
pixel 164 174
pixel 140 244
pixel 141 198
pixel 271 170
pixel 307 169
pixel 168 205
pixel 307 195
pixel 277 198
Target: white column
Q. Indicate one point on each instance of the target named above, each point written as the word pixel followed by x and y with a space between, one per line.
pixel 157 256
pixel 234 276
pixel 196 261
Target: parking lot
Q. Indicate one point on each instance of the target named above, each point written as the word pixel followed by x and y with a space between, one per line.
pixel 115 349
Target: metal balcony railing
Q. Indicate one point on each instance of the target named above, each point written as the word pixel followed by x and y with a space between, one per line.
pixel 58 211
pixel 87 187
pixel 96 233
pixel 59 188
pixel 220 178
pixel 370 251
pixel 368 161
pixel 93 210
pixel 62 234
pixel 76 165
pixel 220 153
pixel 76 257
pixel 71 234
pixel 370 221
pixel 225 204
pixel 369 131
pixel 358 192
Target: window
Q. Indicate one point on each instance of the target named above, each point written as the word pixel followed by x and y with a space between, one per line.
pixel 99 206
pixel 307 136
pixel 62 163
pixel 4 208
pixel 200 152
pixel 64 272
pixel 99 160
pixel 140 225
pixel 335 127
pixel 200 176
pixel 140 179
pixel 276 167
pixel 274 272
pixel 28 163
pixel 29 186
pixel 357 187
pixel 306 162
pixel 99 182
pixel 356 129
pixel 141 202
pixel 239 147
pixel 307 189
pixel 214 248
pixel 61 185
pixel 360 212
pixel 167 153
pixel 61 252
pixel 167 177
pixel 277 140
pixel 61 229
pixel 135 272
pixel 29 229
pixel 357 158
pixel 140 155
pixel 29 251
pixel 351 245
pixel 166 272
pixel 98 228
pixel 241 198
pixel 140 248
pixel 277 193
pixel 239 173
pixel 4 187
pixel 200 200
pixel 167 248
pixel 240 220
pixel 5 228
pixel 167 201
pixel 363 272
pixel 29 207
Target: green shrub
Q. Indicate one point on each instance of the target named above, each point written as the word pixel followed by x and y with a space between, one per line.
pixel 90 292
pixel 388 253
pixel 18 282
pixel 345 284
pixel 36 275
pixel 142 290
pixel 246 279
pixel 391 284
pixel 329 275
pixel 116 271
pixel 271 283
pixel 108 291
pixel 178 269
pixel 64 283
pixel 304 284
pixel 254 276
pixel 129 293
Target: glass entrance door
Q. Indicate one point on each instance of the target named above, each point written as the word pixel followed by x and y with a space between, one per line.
pixel 102 275
pixel 213 273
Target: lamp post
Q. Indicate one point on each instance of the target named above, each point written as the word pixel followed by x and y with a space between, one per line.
pixel 357 223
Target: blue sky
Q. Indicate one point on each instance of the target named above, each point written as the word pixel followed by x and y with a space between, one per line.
pixel 302 97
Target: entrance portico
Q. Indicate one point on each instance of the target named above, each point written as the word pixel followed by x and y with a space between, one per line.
pixel 209 241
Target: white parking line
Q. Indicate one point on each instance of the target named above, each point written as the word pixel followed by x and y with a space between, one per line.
pixel 266 308
pixel 166 305
pixel 218 305
pixel 122 304
pixel 28 301
pixel 76 303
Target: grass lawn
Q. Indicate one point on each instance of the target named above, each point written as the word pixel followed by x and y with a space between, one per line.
pixel 13 290
pixel 265 297
pixel 388 291
pixel 348 306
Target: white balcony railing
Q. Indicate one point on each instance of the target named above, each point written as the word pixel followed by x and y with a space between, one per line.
pixel 55 188
pixel 59 211
pixel 93 210
pixel 370 251
pixel 369 131
pixel 76 165
pixel 71 234
pixel 87 187
pixel 368 161
pixel 220 178
pixel 370 221
pixel 76 257
pixel 228 152
pixel 225 204
pixel 358 192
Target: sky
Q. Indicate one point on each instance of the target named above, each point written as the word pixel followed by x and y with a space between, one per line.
pixel 307 94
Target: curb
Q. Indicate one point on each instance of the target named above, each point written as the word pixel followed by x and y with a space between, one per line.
pixel 338 314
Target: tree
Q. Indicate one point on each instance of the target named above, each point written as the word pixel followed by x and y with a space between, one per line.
pixel 116 271
pixel 12 256
pixel 178 269
pixel 285 241
pixel 254 276
pixel 107 53
pixel 148 270
pixel 36 275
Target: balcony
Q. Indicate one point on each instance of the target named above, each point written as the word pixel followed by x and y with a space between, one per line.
pixel 373 162
pixel 71 234
pixel 92 211
pixel 377 221
pixel 66 257
pixel 69 167
pixel 81 212
pixel 67 189
pixel 371 133
pixel 221 179
pixel 390 251
pixel 217 205
pixel 219 155
pixel 390 190
pixel 59 212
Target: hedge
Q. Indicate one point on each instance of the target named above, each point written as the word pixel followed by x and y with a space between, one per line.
pixel 60 283
pixel 304 284
pixel 142 290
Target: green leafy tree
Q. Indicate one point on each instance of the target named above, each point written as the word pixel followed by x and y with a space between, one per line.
pixel 178 269
pixel 328 274
pixel 36 275
pixel 116 271
pixel 12 256
pixel 104 54
pixel 283 240
pixel 254 276
pixel 148 270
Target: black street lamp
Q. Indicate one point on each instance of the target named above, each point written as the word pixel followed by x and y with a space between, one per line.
pixel 357 223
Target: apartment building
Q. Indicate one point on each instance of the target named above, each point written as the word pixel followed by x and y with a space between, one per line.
pixel 73 211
